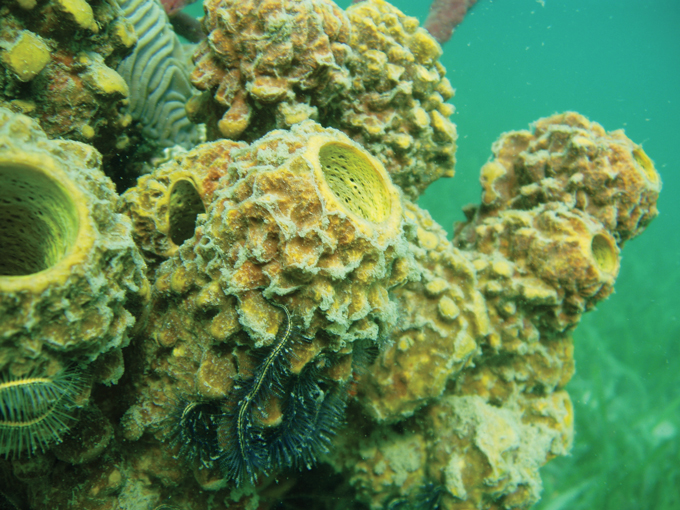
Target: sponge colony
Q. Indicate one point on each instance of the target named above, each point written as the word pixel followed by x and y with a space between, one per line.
pixel 164 205
pixel 69 272
pixel 570 160
pixel 397 105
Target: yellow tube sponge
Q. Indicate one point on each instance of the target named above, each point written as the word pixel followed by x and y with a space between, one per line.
pixel 571 160
pixel 542 249
pixel 79 12
pixel 70 275
pixel 164 205
pixel 462 452
pixel 74 91
pixel 397 105
pixel 304 218
pixel 371 72
pixel 550 263
pixel 305 214
pixel 557 206
pixel 312 214
pixel 442 317
pixel 280 59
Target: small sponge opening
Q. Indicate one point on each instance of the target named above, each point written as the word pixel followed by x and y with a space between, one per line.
pixel 185 206
pixel 354 180
pixel 646 164
pixel 38 221
pixel 604 253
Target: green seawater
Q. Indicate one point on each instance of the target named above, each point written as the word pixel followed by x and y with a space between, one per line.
pixel 618 63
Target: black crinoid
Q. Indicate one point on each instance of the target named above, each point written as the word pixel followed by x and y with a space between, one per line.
pixel 193 430
pixel 282 415
pixel 277 418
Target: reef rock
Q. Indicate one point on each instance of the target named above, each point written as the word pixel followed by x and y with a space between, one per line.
pixel 303 309
pixel 57 65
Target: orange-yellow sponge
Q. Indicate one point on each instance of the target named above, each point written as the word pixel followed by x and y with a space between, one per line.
pixel 541 249
pixel 304 218
pixel 164 205
pixel 570 160
pixel 397 105
pixel 74 91
pixel 442 317
pixel 462 451
pixel 557 207
pixel 71 277
pixel 371 72
pixel 306 215
pixel 267 64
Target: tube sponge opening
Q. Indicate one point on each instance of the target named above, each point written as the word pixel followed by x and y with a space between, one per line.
pixel 185 205
pixel 604 252
pixel 646 164
pixel 38 220
pixel 356 182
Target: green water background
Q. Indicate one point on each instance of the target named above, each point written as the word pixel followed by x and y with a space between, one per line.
pixel 617 62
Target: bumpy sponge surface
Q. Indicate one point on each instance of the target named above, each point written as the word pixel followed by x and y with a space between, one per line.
pixel 70 274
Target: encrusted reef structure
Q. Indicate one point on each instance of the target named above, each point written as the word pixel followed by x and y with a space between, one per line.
pixel 558 204
pixel 268 64
pixel 57 65
pixel 110 73
pixel 164 204
pixel 372 73
pixel 272 305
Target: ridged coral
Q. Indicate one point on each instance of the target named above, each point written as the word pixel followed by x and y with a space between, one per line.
pixel 157 73
pixel 267 64
pixel 58 66
pixel 71 278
